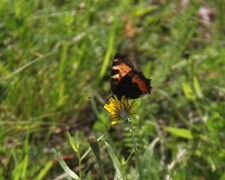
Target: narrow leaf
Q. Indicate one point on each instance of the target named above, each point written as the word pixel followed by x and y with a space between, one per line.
pixel 72 142
pixel 116 163
pixel 64 166
pixel 44 170
pixel 197 88
pixel 188 91
pixel 180 132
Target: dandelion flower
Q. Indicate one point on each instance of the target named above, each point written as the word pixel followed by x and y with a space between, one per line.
pixel 119 110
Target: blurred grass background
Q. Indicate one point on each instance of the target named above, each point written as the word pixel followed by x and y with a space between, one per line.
pixel 55 60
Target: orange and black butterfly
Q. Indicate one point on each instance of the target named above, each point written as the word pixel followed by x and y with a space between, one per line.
pixel 126 80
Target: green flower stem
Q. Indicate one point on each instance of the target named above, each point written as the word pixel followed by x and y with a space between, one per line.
pixel 135 147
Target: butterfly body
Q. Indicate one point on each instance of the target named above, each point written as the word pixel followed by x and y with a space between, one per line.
pixel 126 80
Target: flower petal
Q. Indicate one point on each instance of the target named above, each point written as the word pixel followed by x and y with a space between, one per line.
pixel 118 109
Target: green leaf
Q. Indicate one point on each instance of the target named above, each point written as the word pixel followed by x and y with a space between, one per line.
pixel 44 171
pixel 63 164
pixel 72 143
pixel 149 164
pixel 3 70
pixel 197 88
pixel 140 11
pixel 188 92
pixel 108 53
pixel 180 132
pixel 116 163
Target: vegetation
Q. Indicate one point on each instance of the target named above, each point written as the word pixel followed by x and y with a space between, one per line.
pixel 55 60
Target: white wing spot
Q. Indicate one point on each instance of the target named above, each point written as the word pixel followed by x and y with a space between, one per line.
pixel 115 67
pixel 116 76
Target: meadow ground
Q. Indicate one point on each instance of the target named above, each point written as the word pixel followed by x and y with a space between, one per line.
pixel 55 63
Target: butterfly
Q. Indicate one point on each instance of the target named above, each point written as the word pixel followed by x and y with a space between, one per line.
pixel 126 80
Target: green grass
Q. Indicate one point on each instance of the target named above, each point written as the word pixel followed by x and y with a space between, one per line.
pixel 55 59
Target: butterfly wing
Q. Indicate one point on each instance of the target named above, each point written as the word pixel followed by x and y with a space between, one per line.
pixel 126 80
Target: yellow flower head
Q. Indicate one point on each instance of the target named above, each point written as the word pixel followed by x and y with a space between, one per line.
pixel 119 110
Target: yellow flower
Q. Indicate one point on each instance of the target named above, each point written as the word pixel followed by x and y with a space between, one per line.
pixel 119 110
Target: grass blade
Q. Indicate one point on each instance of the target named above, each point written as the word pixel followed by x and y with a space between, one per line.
pixel 64 166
